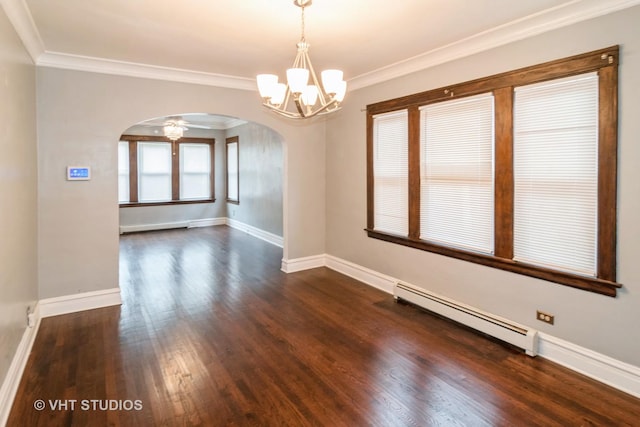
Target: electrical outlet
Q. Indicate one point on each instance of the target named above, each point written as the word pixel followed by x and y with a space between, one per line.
pixel 545 317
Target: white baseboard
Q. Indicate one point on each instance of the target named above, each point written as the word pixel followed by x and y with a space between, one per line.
pixel 79 302
pixel 305 263
pixel 617 374
pixel 151 227
pixel 16 369
pixel 256 232
pixel 205 222
pixel 370 277
pixel 605 369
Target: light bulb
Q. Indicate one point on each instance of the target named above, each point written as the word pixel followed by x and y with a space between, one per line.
pixel 297 79
pixel 266 84
pixel 342 90
pixel 331 80
pixel 310 95
pixel 278 94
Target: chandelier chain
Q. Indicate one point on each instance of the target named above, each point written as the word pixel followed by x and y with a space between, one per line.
pixel 302 38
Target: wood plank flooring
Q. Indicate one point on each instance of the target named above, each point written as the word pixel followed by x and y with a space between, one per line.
pixel 212 333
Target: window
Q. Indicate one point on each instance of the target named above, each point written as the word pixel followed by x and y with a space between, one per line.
pixel 456 173
pixel 233 173
pixel 556 173
pixel 123 172
pixel 195 172
pixel 515 171
pixel 390 172
pixel 156 171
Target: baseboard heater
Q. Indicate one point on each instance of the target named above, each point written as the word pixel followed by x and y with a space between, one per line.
pixel 505 330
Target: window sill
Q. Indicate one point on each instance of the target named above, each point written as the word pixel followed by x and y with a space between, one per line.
pixel 172 202
pixel 590 284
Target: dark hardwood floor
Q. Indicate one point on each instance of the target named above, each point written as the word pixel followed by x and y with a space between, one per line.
pixel 212 333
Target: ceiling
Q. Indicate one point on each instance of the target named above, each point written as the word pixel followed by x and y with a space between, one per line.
pixel 228 42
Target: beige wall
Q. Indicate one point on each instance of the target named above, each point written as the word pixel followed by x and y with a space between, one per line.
pixel 80 118
pixel 600 323
pixel 18 185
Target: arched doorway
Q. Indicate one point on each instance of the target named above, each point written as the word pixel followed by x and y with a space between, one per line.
pixel 163 182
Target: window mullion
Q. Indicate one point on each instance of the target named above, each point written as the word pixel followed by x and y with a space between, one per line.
pixel 212 162
pixel 414 172
pixel 607 171
pixel 175 172
pixel 503 173
pixel 133 171
pixel 370 175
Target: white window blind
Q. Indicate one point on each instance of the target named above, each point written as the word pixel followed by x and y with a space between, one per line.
pixel 456 173
pixel 195 171
pixel 123 171
pixel 391 173
pixel 154 171
pixel 232 172
pixel 555 173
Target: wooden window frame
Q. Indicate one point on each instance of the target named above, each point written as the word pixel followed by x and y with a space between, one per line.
pixel 605 63
pixel 232 140
pixel 175 169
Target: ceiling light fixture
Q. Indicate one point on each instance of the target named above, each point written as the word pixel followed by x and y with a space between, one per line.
pixel 173 131
pixel 309 99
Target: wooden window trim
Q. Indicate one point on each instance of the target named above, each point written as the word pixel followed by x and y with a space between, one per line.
pixel 503 173
pixel 133 171
pixel 175 169
pixel 232 140
pixel 605 62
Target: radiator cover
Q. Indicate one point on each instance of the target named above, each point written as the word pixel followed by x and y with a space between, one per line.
pixel 503 329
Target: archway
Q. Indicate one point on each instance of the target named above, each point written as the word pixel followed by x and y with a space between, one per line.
pixel 163 182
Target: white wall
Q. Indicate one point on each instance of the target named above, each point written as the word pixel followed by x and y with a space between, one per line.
pixel 606 325
pixel 18 185
pixel 80 118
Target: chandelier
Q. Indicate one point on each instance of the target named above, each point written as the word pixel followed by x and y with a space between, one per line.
pixel 173 131
pixel 309 99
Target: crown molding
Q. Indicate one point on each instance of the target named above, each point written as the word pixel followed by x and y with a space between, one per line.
pixel 20 17
pixel 538 23
pixel 132 69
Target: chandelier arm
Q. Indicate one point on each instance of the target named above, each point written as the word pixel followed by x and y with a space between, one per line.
pixel 283 113
pixel 324 109
pixel 321 93
pixel 287 95
pixel 290 115
pixel 299 61
pixel 299 107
